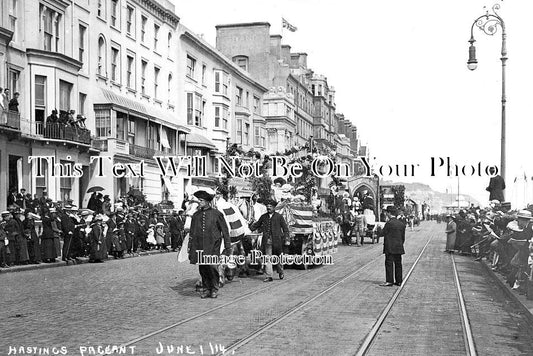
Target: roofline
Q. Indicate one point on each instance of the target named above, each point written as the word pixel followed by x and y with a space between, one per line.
pixel 205 46
pixel 244 24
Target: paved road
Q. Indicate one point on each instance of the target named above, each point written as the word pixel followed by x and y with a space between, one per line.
pixel 119 302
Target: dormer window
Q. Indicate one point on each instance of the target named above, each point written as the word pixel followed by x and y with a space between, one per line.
pixel 241 61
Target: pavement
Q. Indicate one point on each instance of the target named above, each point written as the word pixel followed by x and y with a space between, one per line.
pixel 80 260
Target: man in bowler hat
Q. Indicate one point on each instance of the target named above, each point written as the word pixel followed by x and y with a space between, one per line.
pixel 394 238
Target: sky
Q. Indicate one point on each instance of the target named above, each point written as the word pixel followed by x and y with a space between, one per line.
pixel 400 75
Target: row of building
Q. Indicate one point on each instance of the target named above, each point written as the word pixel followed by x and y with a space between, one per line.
pixel 149 86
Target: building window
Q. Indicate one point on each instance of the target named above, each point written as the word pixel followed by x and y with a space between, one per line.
pixel 48 28
pixel 144 20
pixel 156 81
pixel 40 98
pixel 195 108
pixel 156 35
pixel 221 117
pixel 221 82
pixel 56 24
pixel 65 184
pixel 204 70
pixel 217 116
pixel 65 91
pixel 130 21
pixel 115 64
pixel 101 9
pixel 169 44
pixel 81 51
pixel 169 87
pixel 198 112
pixel 103 122
pixel 238 96
pixel 263 137
pixel 191 63
pixel 13 18
pixel 101 57
pixel 246 134
pixel 257 136
pixel 144 64
pixel 257 109
pixel 115 14
pixel 239 131
pixel 190 108
pixel 41 183
pixel 217 82
pixel 130 73
pixel 14 76
pixel 247 99
pixel 81 104
pixel 241 61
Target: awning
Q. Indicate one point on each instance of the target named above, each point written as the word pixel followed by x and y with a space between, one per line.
pixel 164 138
pixel 195 140
pixel 117 101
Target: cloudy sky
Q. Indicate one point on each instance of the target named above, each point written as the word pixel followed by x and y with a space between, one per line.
pixel 399 70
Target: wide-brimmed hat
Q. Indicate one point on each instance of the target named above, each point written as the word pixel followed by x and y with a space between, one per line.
pixel 85 213
pixel 5 213
pixel 524 214
pixel 202 194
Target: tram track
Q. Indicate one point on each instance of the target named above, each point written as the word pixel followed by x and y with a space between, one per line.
pixel 256 333
pixel 243 297
pixel 370 339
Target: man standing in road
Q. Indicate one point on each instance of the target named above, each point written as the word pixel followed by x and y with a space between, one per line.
pixel 275 235
pixel 394 238
pixel 208 229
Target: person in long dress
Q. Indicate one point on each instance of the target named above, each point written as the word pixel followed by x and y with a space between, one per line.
pixel 451 228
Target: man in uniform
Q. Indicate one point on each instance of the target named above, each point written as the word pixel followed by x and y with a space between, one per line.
pixel 275 235
pixel 394 238
pixel 208 229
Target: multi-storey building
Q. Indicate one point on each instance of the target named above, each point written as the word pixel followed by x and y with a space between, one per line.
pixel 253 44
pixel 219 100
pixel 41 62
pixel 129 51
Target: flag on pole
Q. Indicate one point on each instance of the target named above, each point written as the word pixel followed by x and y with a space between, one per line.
pixel 288 26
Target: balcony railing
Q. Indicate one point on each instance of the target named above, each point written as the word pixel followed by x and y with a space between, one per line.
pixel 58 131
pixel 143 152
pixel 10 119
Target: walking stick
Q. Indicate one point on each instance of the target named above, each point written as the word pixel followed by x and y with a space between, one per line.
pixel 68 249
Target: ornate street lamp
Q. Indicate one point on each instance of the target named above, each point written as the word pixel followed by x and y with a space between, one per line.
pixel 489 23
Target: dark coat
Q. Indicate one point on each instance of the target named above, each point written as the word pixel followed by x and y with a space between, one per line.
pixel 394 237
pixel 208 229
pixel 275 229
pixel 47 239
pixel 495 188
pixel 98 243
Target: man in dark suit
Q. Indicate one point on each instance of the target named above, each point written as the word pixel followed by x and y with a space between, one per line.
pixel 394 238
pixel 275 235
pixel 208 231
pixel 496 186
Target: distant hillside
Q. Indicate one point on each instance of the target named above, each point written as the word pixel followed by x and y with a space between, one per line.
pixel 420 193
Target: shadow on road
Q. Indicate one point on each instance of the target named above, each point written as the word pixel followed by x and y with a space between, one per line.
pixel 186 287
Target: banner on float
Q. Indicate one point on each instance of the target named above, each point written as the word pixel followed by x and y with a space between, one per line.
pixel 325 238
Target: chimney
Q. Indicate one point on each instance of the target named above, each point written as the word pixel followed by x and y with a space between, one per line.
pixel 275 46
pixel 302 60
pixel 286 53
